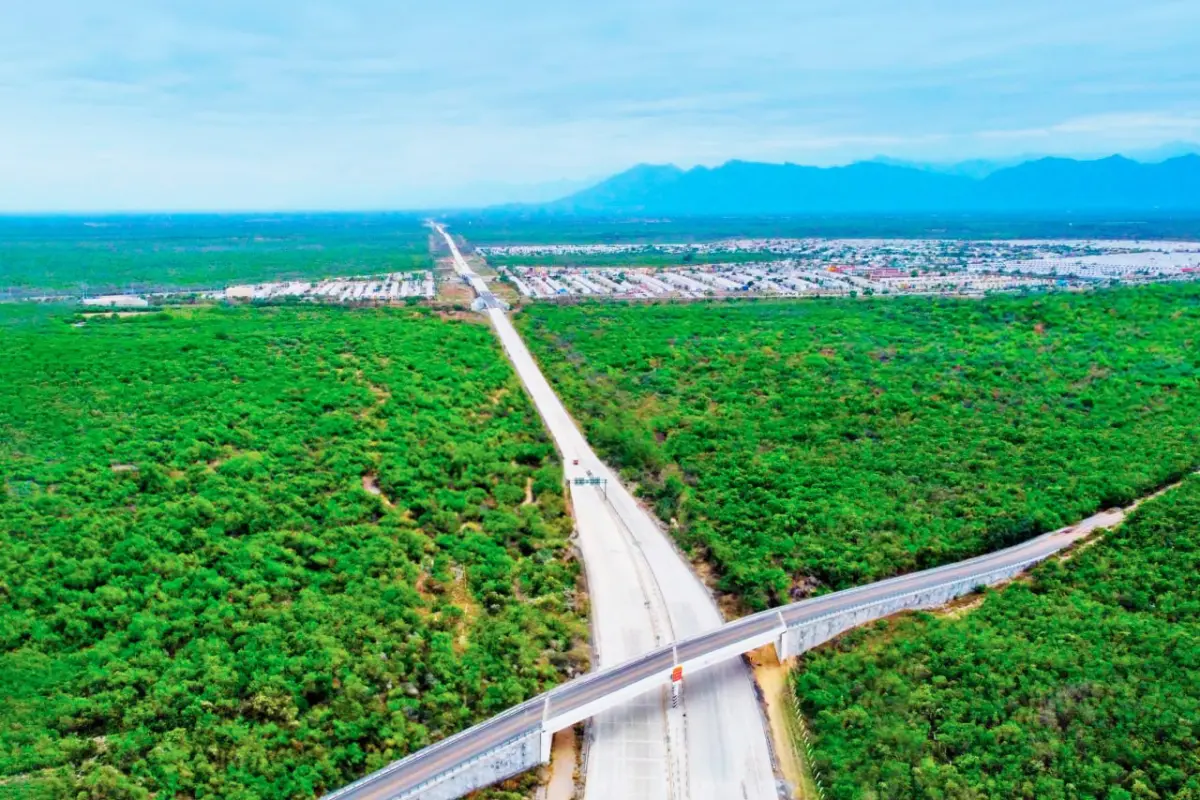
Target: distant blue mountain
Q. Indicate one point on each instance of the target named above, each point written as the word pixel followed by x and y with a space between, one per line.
pixel 1110 184
pixel 1045 185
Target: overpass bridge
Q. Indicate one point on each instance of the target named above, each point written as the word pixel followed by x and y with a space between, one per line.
pixel 519 739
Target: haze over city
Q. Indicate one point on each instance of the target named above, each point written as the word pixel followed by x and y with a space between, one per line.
pixel 362 105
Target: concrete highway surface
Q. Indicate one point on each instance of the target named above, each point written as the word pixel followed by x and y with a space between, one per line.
pixel 714 745
pixel 643 594
pixel 464 271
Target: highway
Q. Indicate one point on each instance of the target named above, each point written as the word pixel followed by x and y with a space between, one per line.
pixel 644 595
pixel 715 743
pixel 650 613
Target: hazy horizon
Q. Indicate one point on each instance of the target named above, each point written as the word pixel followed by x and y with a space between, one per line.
pixel 500 196
pixel 362 105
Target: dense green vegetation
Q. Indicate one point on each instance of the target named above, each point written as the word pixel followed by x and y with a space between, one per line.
pixel 201 595
pixel 801 444
pixel 507 227
pixel 140 253
pixel 1083 683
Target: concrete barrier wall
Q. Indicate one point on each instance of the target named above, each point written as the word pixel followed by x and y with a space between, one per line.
pixel 505 761
pixel 808 635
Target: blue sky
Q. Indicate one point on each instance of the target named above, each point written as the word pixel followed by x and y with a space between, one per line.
pixel 140 104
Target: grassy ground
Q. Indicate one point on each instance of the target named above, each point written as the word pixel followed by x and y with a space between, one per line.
pixel 144 253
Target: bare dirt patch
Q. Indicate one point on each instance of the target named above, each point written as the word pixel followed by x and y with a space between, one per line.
pixel 506 292
pixel 454 291
pixel 730 606
pixel 443 271
pixel 480 267
pixel 772 679
pixel 371 484
pixel 960 607
pixel 381 393
pixel 460 595
pixel 564 766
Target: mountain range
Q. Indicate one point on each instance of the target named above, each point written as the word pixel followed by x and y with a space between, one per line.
pixel 1048 185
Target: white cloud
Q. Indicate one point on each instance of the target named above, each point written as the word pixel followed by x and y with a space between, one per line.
pixel 1142 128
pixel 271 104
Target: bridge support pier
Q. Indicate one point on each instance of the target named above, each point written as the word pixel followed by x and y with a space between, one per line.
pixel 546 737
pixel 782 651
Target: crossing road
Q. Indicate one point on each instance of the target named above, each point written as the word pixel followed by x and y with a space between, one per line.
pixel 644 599
pixel 652 668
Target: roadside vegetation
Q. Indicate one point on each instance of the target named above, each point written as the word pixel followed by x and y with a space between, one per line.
pixel 799 446
pixel 147 253
pixel 257 553
pixel 1082 682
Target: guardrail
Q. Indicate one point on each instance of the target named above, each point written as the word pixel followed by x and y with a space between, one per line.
pixel 411 762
